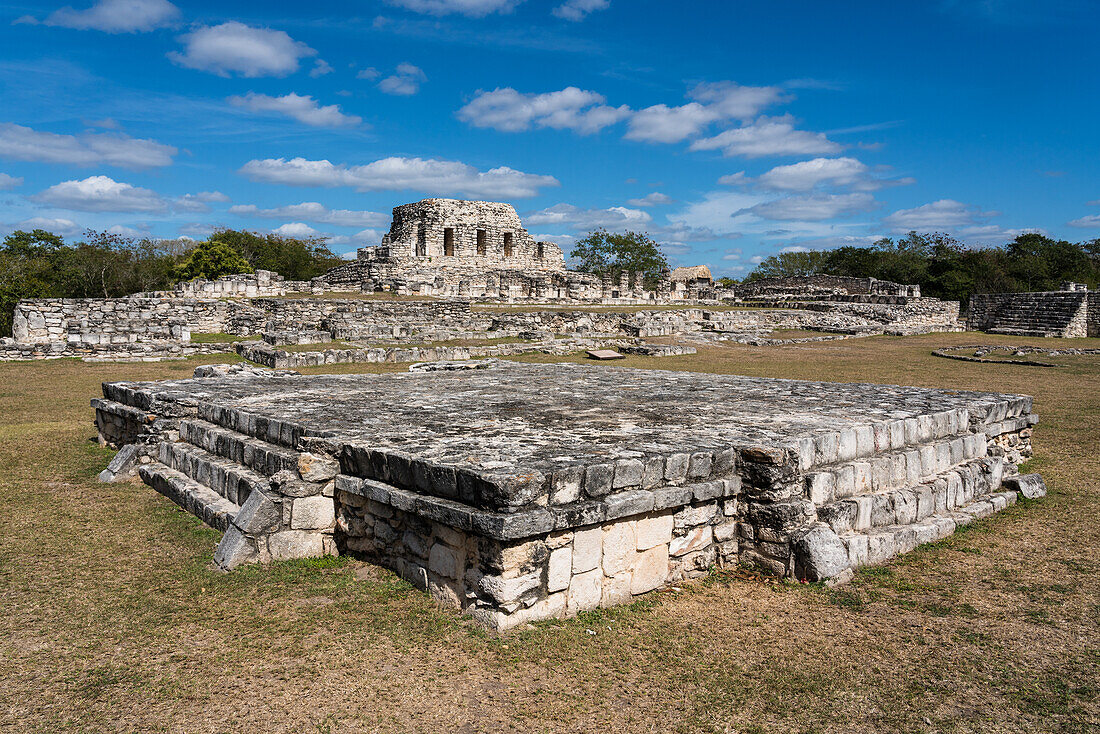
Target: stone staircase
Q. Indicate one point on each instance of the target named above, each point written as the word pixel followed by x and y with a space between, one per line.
pixel 272 502
pixel 888 504
pixel 1047 314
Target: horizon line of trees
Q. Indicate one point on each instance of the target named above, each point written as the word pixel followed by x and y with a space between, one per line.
pixel 945 267
pixel 40 264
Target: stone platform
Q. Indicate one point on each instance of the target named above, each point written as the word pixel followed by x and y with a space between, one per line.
pixel 531 491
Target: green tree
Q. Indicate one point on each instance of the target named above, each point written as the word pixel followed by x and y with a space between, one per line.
pixel 611 253
pixel 211 260
pixel 291 257
pixel 790 264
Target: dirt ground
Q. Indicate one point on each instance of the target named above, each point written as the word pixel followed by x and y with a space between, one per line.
pixel 114 621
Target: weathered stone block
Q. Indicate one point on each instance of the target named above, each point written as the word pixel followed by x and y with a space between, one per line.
pixel 446 561
pixel 587 547
pixel 288 544
pixel 559 569
pixel 312 513
pixel 650 570
pixel 585 591
pixel 695 539
pixel 653 531
pixel 619 546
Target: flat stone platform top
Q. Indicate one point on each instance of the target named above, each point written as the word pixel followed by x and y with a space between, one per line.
pixel 525 428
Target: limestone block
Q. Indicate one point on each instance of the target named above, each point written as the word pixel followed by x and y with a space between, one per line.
pixel 857 549
pixel 313 468
pixel 726 531
pixel 618 547
pixel 626 504
pixel 880 547
pixel 585 591
pixel 509 590
pixel 628 473
pixel 449 535
pixel 234 549
pixel 820 487
pixel 616 589
pixel 560 569
pixel 699 465
pixel 862 477
pixel 676 467
pixel 295 544
pixel 446 561
pixel 1030 486
pixel 650 569
pixel 819 554
pixel 690 516
pixel 121 464
pixel 259 514
pixel 696 539
pixel 565 485
pixel 598 479
pixel 315 512
pixel 445 590
pixel 653 531
pixel 587 547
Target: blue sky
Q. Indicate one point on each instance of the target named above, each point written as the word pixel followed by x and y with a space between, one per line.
pixel 727 130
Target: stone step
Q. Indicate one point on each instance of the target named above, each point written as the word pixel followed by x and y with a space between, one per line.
pixel 881 544
pixel 904 467
pixel 262 457
pixel 946 493
pixel 202 502
pixel 229 479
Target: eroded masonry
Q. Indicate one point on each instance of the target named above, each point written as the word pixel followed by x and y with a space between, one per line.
pixel 520 492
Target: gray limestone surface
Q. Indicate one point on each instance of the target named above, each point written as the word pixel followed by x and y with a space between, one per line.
pixel 523 429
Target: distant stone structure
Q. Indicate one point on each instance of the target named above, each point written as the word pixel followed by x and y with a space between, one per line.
pixel 692 282
pixel 525 492
pixel 1071 312
pixel 819 286
pixel 262 283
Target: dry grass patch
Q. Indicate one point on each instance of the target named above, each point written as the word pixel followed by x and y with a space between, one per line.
pixel 114 621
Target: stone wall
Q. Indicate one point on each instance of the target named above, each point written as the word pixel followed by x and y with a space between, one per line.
pixel 796 286
pixel 116 320
pixel 1092 318
pixel 1044 313
pixel 246 285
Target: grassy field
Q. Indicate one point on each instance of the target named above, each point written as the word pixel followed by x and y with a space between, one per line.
pixel 113 620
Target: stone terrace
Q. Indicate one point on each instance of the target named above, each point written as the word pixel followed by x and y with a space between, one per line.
pixel 531 491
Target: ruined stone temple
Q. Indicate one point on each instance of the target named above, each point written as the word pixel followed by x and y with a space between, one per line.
pixel 1072 311
pixel 461 248
pixel 519 492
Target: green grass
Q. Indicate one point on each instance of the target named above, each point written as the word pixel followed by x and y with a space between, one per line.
pixel 220 338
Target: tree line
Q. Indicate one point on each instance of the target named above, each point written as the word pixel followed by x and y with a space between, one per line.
pixel 40 264
pixel 947 268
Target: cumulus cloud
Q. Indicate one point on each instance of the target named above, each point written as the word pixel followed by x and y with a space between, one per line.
pixel 236 48
pixel 654 199
pixel 296 229
pixel 713 102
pixel 10 182
pixel 807 175
pixel 198 202
pixel 116 16
pixel 313 211
pixel 1086 222
pixel 302 108
pixel 814 208
pixel 768 136
pixel 568 109
pixel 471 8
pixel 101 194
pixel 396 174
pixel 26 144
pixel 57 225
pixel 942 214
pixel 405 81
pixel 579 9
pixel 567 215
pixel 984 234
pixel 320 68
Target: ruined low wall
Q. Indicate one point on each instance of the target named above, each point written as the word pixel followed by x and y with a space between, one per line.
pixel 810 284
pixel 1042 313
pixel 94 321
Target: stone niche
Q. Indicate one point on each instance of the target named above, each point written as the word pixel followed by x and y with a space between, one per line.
pixel 525 492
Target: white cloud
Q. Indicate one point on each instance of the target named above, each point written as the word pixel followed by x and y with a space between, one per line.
pixel 302 108
pixel 236 48
pixel 117 16
pixel 654 199
pixel 984 234
pixel 568 109
pixel 768 136
pixel 320 68
pixel 735 179
pixel 360 238
pixel 567 215
pixel 313 211
pixel 733 101
pixel 10 182
pixel 26 144
pixel 471 8
pixel 579 9
pixel 942 214
pixel 64 227
pixel 718 212
pixel 1086 222
pixel 405 81
pixel 807 175
pixel 395 174
pixel 296 229
pixel 814 208
pixel 369 73
pixel 107 123
pixel 198 202
pixel 125 231
pixel 561 240
pixel 663 124
pixel 101 194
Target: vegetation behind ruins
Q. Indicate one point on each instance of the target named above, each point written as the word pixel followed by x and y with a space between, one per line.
pixel 613 253
pixel 39 264
pixel 947 268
